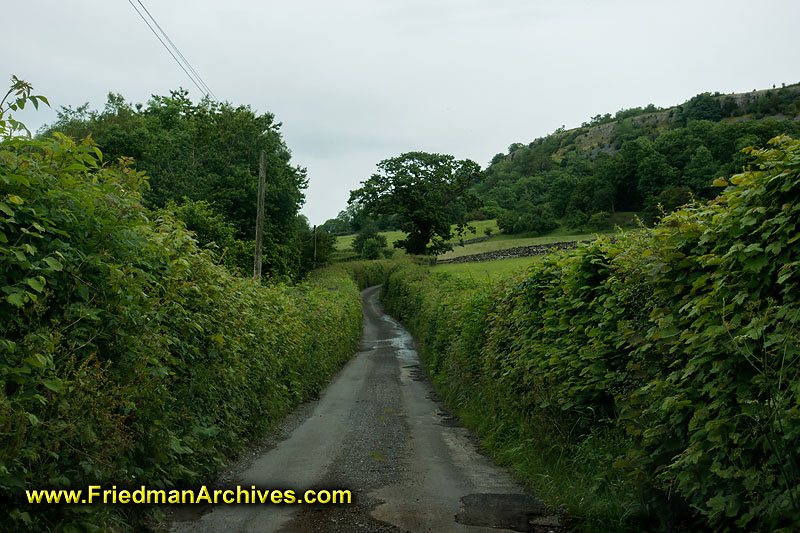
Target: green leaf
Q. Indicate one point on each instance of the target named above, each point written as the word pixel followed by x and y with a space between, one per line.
pixel 36 284
pixel 667 331
pixel 15 299
pixel 756 264
pixel 22 516
pixel 55 385
pixel 53 264
pixel 37 361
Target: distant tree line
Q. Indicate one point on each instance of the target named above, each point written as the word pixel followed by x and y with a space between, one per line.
pixel 355 217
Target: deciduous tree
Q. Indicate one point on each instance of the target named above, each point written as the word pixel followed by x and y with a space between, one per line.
pixel 420 188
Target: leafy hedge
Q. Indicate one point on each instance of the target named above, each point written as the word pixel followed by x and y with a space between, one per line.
pixel 127 355
pixel 370 273
pixel 660 371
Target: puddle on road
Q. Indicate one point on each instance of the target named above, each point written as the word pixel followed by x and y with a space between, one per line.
pixel 448 419
pixel 402 342
pixel 500 511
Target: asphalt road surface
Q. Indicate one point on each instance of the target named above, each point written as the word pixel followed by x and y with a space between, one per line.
pixel 380 431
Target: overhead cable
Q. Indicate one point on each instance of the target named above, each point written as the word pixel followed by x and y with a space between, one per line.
pixel 184 64
pixel 174 47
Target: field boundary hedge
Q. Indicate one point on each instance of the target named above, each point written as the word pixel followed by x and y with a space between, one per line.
pixel 128 354
pixel 646 383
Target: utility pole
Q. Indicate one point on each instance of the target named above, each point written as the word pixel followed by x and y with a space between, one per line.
pixel 315 246
pixel 262 177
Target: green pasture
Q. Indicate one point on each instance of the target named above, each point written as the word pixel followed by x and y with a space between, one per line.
pixel 343 242
pixel 501 241
pixel 487 270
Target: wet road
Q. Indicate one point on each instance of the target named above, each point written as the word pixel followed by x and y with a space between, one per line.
pixel 380 431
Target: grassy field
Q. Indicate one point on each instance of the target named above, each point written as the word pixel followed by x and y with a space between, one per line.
pixel 487 269
pixel 501 241
pixel 344 242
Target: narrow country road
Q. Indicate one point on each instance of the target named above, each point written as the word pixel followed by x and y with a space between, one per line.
pixel 380 431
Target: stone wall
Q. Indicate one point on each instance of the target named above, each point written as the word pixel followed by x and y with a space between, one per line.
pixel 518 251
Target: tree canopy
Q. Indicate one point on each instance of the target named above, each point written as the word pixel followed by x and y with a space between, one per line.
pixel 427 193
pixel 205 152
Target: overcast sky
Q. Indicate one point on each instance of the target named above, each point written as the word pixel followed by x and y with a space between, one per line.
pixel 358 81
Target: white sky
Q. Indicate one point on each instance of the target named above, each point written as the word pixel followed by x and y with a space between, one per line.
pixel 357 81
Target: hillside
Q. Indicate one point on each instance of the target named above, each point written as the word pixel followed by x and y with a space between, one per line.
pixel 599 135
pixel 633 161
pixel 643 161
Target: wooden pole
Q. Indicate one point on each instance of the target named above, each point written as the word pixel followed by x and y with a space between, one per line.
pixel 262 177
pixel 315 246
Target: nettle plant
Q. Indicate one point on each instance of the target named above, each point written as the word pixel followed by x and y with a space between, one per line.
pixel 128 354
pixel 18 95
pixel 681 343
pixel 719 421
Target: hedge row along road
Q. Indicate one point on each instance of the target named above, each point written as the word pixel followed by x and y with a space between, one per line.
pixel 380 431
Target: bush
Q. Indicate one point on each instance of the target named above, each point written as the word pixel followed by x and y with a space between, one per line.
pixel 647 382
pixel 507 221
pixel 369 273
pixel 369 231
pixel 537 219
pixel 719 422
pixel 129 355
pixel 598 220
pixel 670 199
pixel 372 249
pixel 577 220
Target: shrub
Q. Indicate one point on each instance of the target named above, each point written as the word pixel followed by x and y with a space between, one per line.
pixel 369 273
pixel 647 382
pixel 506 222
pixel 129 355
pixel 537 219
pixel 719 422
pixel 371 249
pixel 577 220
pixel 369 231
pixel 598 220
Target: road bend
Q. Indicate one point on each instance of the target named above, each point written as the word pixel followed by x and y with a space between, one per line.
pixel 380 431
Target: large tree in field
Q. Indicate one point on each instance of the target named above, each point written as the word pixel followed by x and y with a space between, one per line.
pixel 422 190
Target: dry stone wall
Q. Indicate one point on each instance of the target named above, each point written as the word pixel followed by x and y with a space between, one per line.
pixel 518 251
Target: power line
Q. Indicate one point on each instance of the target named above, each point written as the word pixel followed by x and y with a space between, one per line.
pixel 186 61
pixel 165 46
pixel 198 82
